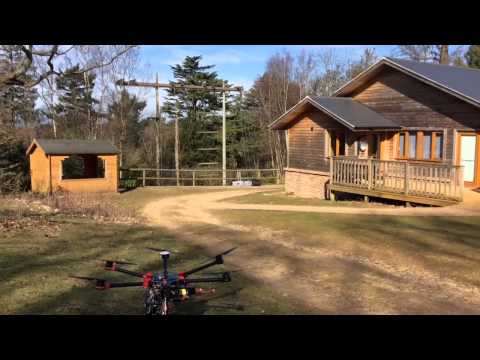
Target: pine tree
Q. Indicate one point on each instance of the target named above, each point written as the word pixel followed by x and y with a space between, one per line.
pixel 75 107
pixel 472 56
pixel 198 111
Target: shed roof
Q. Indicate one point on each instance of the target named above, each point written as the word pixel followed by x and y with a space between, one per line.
pixel 461 82
pixel 70 147
pixel 347 111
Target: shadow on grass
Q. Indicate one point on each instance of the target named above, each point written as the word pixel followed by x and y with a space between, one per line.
pixel 35 270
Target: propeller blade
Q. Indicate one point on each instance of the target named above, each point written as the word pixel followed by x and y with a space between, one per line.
pixel 219 256
pixel 85 278
pixel 155 249
pixel 229 251
pixel 119 262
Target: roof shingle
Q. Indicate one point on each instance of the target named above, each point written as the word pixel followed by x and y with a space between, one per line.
pixel 69 147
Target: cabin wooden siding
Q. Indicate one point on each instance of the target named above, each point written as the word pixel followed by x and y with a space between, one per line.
pixel 39 170
pixel 411 103
pixel 46 174
pixel 306 141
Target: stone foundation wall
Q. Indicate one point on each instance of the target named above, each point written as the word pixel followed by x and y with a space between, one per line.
pixel 305 183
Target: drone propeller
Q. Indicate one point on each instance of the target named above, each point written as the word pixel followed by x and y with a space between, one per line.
pixel 156 249
pixel 119 262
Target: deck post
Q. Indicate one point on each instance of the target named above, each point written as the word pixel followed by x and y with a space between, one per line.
pixel 193 177
pixel 406 178
pixel 370 174
pixel 143 177
pixel 331 194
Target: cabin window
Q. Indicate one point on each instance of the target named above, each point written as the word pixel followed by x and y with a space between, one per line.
pixel 412 146
pixel 420 145
pixel 438 145
pixel 83 167
pixel 402 145
pixel 427 146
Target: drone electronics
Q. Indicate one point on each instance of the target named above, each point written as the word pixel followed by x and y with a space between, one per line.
pixel 163 289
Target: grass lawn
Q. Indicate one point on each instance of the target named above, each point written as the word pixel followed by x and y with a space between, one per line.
pixel 446 245
pixel 281 198
pixel 138 197
pixel 36 260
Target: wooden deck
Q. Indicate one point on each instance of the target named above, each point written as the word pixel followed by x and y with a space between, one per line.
pixel 423 183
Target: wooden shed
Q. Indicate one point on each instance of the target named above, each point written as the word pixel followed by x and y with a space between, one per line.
pixel 73 165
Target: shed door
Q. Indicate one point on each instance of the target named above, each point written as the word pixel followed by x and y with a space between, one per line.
pixel 468 146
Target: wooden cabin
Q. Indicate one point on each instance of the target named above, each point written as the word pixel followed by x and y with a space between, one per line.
pixel 73 166
pixel 401 129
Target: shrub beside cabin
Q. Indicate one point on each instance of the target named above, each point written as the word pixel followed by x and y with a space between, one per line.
pixel 73 165
pixel 401 129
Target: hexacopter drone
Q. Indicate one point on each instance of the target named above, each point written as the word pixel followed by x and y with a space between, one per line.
pixel 163 289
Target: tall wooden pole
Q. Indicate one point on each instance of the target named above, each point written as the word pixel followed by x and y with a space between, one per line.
pixel 224 141
pixel 177 141
pixel 157 136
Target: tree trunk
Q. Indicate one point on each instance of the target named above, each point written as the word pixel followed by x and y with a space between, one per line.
pixel 444 55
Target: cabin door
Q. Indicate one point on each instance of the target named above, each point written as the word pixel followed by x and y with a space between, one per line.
pixel 468 149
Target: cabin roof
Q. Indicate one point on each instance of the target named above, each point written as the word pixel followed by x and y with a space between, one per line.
pixel 70 147
pixel 461 82
pixel 347 111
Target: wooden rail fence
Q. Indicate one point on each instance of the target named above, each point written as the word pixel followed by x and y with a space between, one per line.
pixel 199 177
pixel 403 180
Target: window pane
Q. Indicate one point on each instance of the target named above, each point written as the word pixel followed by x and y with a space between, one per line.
pixel 402 145
pixel 439 146
pixel 427 146
pixel 413 145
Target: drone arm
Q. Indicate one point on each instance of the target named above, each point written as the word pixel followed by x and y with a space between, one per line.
pixel 128 272
pixel 224 278
pixel 124 284
pixel 218 260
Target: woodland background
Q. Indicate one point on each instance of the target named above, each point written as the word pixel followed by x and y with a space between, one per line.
pixel 70 92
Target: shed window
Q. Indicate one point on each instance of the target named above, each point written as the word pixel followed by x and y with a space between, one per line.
pixel 83 167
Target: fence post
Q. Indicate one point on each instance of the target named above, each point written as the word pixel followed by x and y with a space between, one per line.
pixel 277 175
pixel 193 177
pixel 406 178
pixel 143 176
pixel 239 175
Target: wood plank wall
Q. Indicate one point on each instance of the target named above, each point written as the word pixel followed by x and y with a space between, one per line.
pixel 411 103
pixel 306 141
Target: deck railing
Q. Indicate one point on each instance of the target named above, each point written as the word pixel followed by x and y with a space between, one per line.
pixel 431 180
pixel 199 177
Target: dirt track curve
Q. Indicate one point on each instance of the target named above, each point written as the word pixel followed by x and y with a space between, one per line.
pixel 337 280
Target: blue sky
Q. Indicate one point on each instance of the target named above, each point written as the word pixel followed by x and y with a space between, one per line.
pixel 239 64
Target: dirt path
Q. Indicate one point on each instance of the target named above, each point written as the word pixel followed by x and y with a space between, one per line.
pixel 329 279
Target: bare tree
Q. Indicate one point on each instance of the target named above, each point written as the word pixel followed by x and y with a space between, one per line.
pixel 440 54
pixel 42 62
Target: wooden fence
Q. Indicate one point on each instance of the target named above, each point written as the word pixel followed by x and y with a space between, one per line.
pixel 408 178
pixel 199 177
